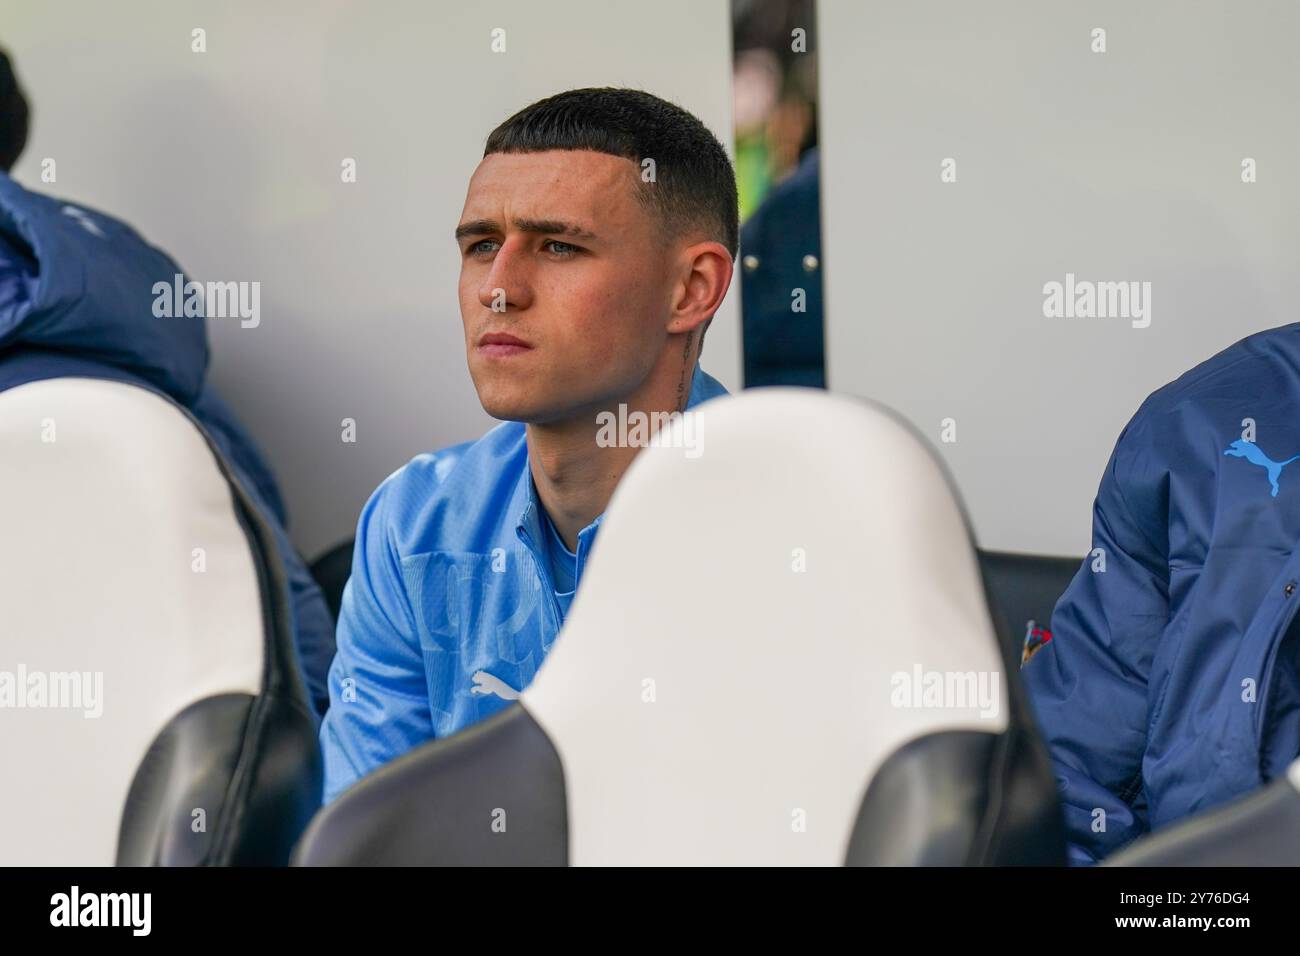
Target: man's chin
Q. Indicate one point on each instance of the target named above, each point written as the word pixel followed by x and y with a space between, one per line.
pixel 553 405
pixel 513 409
pixel 508 414
pixel 529 413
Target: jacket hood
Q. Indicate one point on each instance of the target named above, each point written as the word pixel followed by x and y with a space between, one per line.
pixel 75 280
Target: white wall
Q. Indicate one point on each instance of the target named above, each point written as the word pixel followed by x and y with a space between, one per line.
pixel 230 160
pixel 1117 166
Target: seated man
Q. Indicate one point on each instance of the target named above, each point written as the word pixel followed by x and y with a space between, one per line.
pixel 596 242
pixel 76 299
pixel 1170 683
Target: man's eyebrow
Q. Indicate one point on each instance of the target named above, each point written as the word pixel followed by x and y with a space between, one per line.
pixel 558 227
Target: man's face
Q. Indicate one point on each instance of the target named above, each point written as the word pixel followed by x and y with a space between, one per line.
pixel 559 241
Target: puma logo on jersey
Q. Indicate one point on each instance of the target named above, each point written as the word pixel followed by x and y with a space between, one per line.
pixel 1250 451
pixel 485 683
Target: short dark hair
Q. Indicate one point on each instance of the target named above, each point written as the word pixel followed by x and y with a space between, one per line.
pixel 694 182
pixel 14 116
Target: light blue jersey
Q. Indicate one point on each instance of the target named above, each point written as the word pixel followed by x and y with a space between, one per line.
pixel 452 603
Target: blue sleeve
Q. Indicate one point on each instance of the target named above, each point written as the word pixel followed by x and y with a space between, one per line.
pixel 1088 686
pixel 379 703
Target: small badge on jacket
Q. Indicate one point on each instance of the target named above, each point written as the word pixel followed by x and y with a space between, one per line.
pixel 1035 638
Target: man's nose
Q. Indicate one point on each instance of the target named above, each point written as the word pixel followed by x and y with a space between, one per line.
pixel 507 284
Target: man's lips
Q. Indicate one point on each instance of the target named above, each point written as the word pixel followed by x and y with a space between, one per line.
pixel 502 344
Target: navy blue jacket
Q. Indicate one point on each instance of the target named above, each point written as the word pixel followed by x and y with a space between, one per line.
pixel 1170 685
pixel 76 297
pixel 784 347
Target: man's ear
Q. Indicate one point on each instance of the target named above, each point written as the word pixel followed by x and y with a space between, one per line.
pixel 704 278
